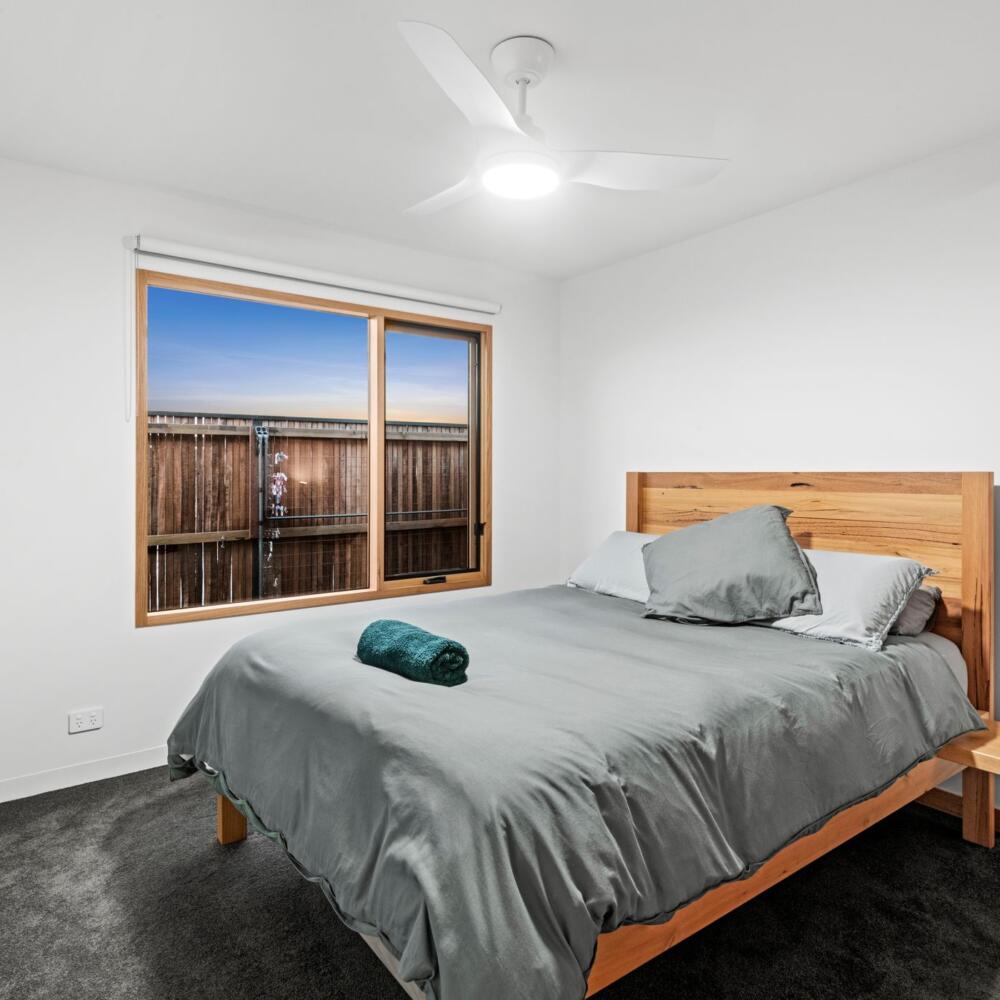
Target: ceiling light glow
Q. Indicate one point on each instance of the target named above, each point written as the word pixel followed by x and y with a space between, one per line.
pixel 521 177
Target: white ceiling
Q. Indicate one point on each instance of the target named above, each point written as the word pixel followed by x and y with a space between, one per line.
pixel 320 110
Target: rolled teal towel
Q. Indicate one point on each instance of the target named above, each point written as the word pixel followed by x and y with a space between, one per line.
pixel 411 652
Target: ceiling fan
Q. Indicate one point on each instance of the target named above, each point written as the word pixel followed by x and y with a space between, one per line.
pixel 514 160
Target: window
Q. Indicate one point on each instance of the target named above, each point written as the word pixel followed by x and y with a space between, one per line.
pixel 431 454
pixel 294 451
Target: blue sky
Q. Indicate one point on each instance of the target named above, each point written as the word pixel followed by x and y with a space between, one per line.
pixel 426 378
pixel 210 354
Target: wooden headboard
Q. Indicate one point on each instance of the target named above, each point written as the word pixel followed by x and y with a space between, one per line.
pixel 944 519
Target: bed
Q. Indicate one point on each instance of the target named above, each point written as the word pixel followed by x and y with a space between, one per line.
pixel 606 784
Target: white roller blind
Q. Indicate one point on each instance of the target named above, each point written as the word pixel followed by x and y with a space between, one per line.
pixel 150 250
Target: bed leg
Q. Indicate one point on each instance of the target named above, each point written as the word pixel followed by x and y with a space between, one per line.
pixel 230 823
pixel 978 794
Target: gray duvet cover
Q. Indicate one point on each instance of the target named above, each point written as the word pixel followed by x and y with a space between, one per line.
pixel 598 768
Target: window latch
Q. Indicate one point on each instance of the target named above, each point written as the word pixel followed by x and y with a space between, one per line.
pixel 436 579
pixel 480 529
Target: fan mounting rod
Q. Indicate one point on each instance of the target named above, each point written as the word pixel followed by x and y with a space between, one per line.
pixel 522 62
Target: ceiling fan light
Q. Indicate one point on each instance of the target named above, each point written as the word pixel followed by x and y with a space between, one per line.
pixel 521 177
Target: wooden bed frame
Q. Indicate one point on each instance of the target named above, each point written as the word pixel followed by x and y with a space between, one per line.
pixel 944 519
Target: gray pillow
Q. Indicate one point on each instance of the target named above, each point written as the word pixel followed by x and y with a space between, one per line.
pixel 741 567
pixel 918 612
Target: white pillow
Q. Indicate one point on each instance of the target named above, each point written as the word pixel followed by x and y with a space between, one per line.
pixel 616 567
pixel 862 596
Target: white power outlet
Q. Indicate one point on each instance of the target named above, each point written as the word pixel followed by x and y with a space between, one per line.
pixel 85 719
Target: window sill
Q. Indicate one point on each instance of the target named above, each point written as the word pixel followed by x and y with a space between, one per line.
pixel 389 588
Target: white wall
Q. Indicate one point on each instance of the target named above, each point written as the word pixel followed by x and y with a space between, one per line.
pixel 856 330
pixel 67 459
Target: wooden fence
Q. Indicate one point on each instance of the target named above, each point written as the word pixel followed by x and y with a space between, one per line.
pixel 225 526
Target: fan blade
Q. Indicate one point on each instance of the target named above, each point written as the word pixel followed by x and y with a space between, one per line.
pixel 641 171
pixel 465 188
pixel 457 75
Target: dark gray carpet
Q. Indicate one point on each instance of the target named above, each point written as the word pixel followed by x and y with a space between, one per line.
pixel 118 890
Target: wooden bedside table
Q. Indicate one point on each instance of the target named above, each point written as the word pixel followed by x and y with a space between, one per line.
pixel 978 751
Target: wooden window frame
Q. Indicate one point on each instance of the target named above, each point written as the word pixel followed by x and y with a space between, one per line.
pixel 378 587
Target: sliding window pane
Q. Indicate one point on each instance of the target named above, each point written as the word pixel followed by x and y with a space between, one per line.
pixel 431 452
pixel 258 450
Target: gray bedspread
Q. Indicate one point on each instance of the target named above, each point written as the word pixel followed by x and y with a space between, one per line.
pixel 598 768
